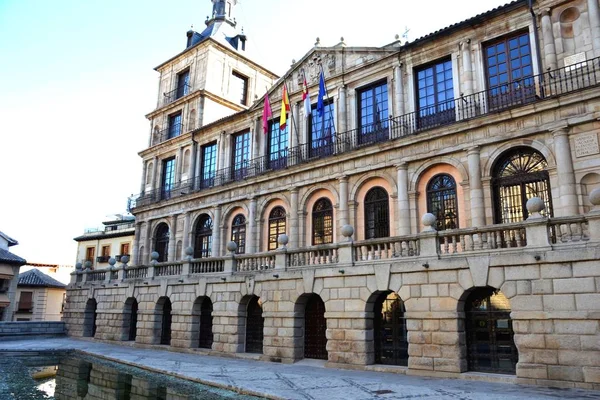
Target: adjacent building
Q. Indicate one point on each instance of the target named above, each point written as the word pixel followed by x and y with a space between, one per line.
pixel 9 273
pixel 436 209
pixel 39 297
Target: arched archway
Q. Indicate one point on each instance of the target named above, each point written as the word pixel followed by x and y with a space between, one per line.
pixel 89 318
pixel 130 317
pixel 161 242
pixel 390 336
pixel 322 222
pixel 311 308
pixel 203 237
pixel 377 213
pixel 163 320
pixel 489 332
pixel 202 323
pixel 254 326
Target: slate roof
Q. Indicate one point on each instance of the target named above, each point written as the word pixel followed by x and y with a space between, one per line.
pixel 35 277
pixel 6 257
pixel 11 241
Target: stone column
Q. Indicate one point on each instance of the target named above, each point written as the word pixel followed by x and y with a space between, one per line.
pixel 594 15
pixel 342 111
pixel 548 37
pixel 135 251
pixel 154 173
pixel 403 205
pixel 398 91
pixel 258 133
pixel 251 238
pixel 293 231
pixel 186 231
pixel 566 177
pixel 468 82
pixel 476 188
pixel 172 238
pixel 198 166
pixel 179 165
pixel 192 173
pixel 343 218
pixel 216 247
pixel 147 243
pixel 144 173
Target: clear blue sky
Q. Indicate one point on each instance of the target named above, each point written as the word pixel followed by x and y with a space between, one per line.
pixel 77 78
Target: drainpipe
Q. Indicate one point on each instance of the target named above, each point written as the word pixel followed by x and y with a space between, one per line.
pixel 536 37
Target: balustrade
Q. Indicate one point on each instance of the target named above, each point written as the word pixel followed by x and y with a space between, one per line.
pixel 167 269
pixel 255 262
pixel 386 248
pixel 206 266
pixel 312 256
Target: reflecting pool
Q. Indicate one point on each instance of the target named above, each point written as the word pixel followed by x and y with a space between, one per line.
pixel 74 376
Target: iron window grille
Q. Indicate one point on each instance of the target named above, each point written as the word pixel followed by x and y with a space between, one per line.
pixel 322 222
pixel 442 201
pixel 377 214
pixel 276 226
pixel 203 242
pixel 161 243
pixel 238 233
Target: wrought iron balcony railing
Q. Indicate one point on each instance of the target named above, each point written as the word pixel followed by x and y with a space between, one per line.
pixel 175 94
pixel 517 93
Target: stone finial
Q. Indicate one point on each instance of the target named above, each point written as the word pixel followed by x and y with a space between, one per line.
pixel 347 232
pixel 595 199
pixel 428 220
pixel 534 206
pixel 318 42
pixel 154 257
pixel 231 247
pixel 189 253
pixel 124 260
pixel 397 37
pixel 112 261
pixel 87 264
pixel 283 240
pixel 78 266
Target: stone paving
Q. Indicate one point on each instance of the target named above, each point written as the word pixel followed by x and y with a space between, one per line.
pixel 303 380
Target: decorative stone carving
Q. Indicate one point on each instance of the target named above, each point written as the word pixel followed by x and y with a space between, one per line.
pixel 586 145
pixel 428 220
pixel 534 206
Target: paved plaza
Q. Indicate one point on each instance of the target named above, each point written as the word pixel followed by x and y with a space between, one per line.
pixel 304 380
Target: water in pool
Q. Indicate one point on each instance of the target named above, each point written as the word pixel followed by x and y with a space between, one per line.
pixel 64 376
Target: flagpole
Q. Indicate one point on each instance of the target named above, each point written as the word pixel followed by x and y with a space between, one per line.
pixel 327 95
pixel 292 114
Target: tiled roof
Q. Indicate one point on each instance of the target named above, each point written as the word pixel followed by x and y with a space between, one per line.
pixel 11 241
pixel 7 257
pixel 34 277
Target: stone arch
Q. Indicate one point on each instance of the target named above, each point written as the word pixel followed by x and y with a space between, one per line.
pixel 308 202
pixel 149 173
pixel 130 319
pixel 588 183
pixel 365 178
pixel 359 199
pixel 266 204
pixel 310 193
pixel 162 321
pixel 90 316
pixel 487 170
pixel 309 315
pixel 462 172
pixel 250 326
pixel 264 212
pixel 394 351
pixel 202 323
pixel 164 247
pixel 229 213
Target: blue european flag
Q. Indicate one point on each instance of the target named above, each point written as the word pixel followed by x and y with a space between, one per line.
pixel 320 99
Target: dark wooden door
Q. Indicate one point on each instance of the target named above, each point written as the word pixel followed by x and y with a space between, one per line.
pixel 133 320
pixel 315 326
pixel 391 344
pixel 254 327
pixel 206 334
pixel 165 334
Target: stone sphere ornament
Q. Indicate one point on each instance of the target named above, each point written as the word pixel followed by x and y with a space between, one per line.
pixel 428 220
pixel 112 261
pixel 78 266
pixel 595 198
pixel 283 239
pixel 189 251
pixel 124 259
pixel 232 246
pixel 154 255
pixel 534 206
pixel 347 231
pixel 87 264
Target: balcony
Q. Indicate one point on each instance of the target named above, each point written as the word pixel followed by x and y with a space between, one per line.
pixel 175 94
pixel 168 133
pixel 102 259
pixel 518 93
pixel 24 307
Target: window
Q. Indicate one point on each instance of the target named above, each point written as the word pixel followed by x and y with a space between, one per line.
pixel 373 114
pixel 183 83
pixel 106 251
pixel 519 175
pixel 161 243
pixel 203 243
pixel 377 214
pixel 441 201
pixel 25 302
pixel 241 155
pixel 322 222
pixel 509 71
pixel 238 233
pixel 239 87
pixel 435 94
pixel 321 131
pixel 209 165
pixel 175 126
pixel 276 226
pixel 124 249
pixel 89 254
pixel 278 145
pixel 168 177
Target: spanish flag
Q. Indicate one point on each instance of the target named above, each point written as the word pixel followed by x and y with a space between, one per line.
pixel 285 108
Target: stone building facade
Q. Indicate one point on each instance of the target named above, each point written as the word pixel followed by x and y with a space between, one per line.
pixel 435 217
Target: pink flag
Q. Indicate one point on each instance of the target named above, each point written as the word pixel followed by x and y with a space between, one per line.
pixel 266 114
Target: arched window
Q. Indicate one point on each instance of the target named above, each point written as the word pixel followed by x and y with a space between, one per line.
pixel 519 175
pixel 377 214
pixel 322 222
pixel 238 233
pixel 276 226
pixel 161 243
pixel 441 201
pixel 203 243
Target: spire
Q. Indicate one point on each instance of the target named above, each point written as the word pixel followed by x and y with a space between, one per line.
pixel 223 11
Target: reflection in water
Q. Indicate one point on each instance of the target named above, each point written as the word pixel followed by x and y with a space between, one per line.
pixel 72 377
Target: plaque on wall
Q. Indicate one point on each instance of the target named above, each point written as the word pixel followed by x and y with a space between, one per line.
pixel 575 61
pixel 586 145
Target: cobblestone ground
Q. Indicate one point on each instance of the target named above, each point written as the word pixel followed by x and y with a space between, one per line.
pixel 303 380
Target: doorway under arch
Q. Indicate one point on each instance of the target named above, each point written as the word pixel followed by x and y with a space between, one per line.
pixel 163 309
pixel 315 327
pixel 389 328
pixel 130 317
pixel 202 323
pixel 89 318
pixel 254 326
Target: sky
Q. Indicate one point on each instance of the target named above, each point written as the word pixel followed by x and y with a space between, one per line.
pixel 77 79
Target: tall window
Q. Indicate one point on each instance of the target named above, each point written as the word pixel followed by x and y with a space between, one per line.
pixel 168 177
pixel 239 87
pixel 276 226
pixel 124 249
pixel 278 145
pixel 373 113
pixel 175 127
pixel 209 165
pixel 89 254
pixel 519 175
pixel 322 222
pixel 203 242
pixel 183 83
pixel 441 201
pixel 509 71
pixel 377 214
pixel 161 242
pixel 322 130
pixel 436 94
pixel 241 155
pixel 238 233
